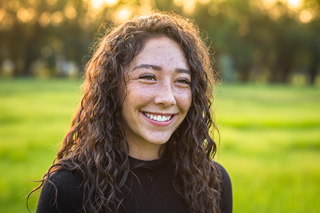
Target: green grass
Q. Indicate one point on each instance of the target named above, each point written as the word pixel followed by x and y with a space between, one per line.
pixel 270 145
pixel 270 141
pixel 34 116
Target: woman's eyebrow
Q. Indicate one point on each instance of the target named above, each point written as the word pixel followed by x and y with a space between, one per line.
pixel 181 70
pixel 154 67
pixel 158 68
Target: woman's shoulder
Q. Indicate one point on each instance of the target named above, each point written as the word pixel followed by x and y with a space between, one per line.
pixel 61 192
pixel 222 172
pixel 65 178
pixel 226 201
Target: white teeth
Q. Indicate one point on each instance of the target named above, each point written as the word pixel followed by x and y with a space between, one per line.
pixel 158 118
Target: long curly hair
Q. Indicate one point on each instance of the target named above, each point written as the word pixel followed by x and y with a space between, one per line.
pixel 95 145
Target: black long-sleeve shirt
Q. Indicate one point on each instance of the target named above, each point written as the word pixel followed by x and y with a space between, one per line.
pixel 156 194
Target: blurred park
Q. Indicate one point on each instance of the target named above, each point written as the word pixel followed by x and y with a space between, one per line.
pixel 267 107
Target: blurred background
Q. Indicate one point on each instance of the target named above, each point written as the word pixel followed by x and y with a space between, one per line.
pixel 265 41
pixel 267 107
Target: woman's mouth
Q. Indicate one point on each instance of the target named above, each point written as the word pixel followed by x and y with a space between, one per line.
pixel 156 117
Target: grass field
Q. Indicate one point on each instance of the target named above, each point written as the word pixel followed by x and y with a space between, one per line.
pixel 270 141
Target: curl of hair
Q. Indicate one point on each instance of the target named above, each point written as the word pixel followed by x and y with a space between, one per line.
pixel 95 144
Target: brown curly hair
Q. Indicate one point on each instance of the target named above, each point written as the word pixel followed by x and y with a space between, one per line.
pixel 95 145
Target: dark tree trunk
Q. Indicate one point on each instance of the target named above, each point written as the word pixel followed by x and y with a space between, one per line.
pixel 314 66
pixel 282 68
pixel 31 53
pixel 244 74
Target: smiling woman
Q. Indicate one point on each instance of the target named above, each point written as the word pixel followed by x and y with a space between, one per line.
pixel 140 140
pixel 158 97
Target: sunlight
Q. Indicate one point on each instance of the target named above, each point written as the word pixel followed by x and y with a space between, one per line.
pixel 57 18
pixel 2 14
pixel 32 2
pixel 51 2
pixel 110 2
pixel 70 12
pixel 123 14
pixel 178 2
pixel 25 15
pixel 189 6
pixel 204 1
pixel 294 3
pixel 44 19
pixel 96 4
pixel 269 3
pixel 275 13
pixel 146 6
pixel 305 16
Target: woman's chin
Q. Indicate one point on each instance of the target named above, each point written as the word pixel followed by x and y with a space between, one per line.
pixel 158 139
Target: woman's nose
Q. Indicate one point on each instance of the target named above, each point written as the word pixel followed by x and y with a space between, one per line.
pixel 165 94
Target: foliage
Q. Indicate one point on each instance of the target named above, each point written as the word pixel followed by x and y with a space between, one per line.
pixel 270 141
pixel 253 40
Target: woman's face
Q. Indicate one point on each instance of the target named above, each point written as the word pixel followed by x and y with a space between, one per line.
pixel 158 96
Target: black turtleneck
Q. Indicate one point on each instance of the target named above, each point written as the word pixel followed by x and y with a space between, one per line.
pixel 151 190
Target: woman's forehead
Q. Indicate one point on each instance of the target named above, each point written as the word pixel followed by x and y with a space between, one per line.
pixel 161 52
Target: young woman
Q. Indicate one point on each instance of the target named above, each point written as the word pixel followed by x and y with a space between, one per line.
pixel 140 140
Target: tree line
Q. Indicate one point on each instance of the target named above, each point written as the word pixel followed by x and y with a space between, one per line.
pixel 251 40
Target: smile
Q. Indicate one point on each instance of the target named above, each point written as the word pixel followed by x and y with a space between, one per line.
pixel 161 118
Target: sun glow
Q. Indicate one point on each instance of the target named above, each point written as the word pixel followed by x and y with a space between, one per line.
pixel 188 5
pixel 123 14
pixel 96 4
pixel 294 3
pixel 305 16
pixel 26 14
pixel 268 4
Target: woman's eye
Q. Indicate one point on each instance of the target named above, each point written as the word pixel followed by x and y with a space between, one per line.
pixel 183 81
pixel 148 77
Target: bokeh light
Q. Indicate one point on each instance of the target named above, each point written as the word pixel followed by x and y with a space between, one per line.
pixel 70 12
pixel 57 18
pixel 178 2
pixel 268 4
pixel 51 2
pixel 97 4
pixel 111 2
pixel 123 14
pixel 305 16
pixel 44 19
pixel 294 3
pixel 2 14
pixel 25 14
pixel 204 1
pixel 189 6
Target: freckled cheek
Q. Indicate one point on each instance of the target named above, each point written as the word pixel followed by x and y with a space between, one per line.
pixel 138 94
pixel 184 100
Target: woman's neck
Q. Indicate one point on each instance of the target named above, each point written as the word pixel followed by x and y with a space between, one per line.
pixel 146 153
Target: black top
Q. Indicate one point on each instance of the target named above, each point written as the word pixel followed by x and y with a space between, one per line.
pixel 155 194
